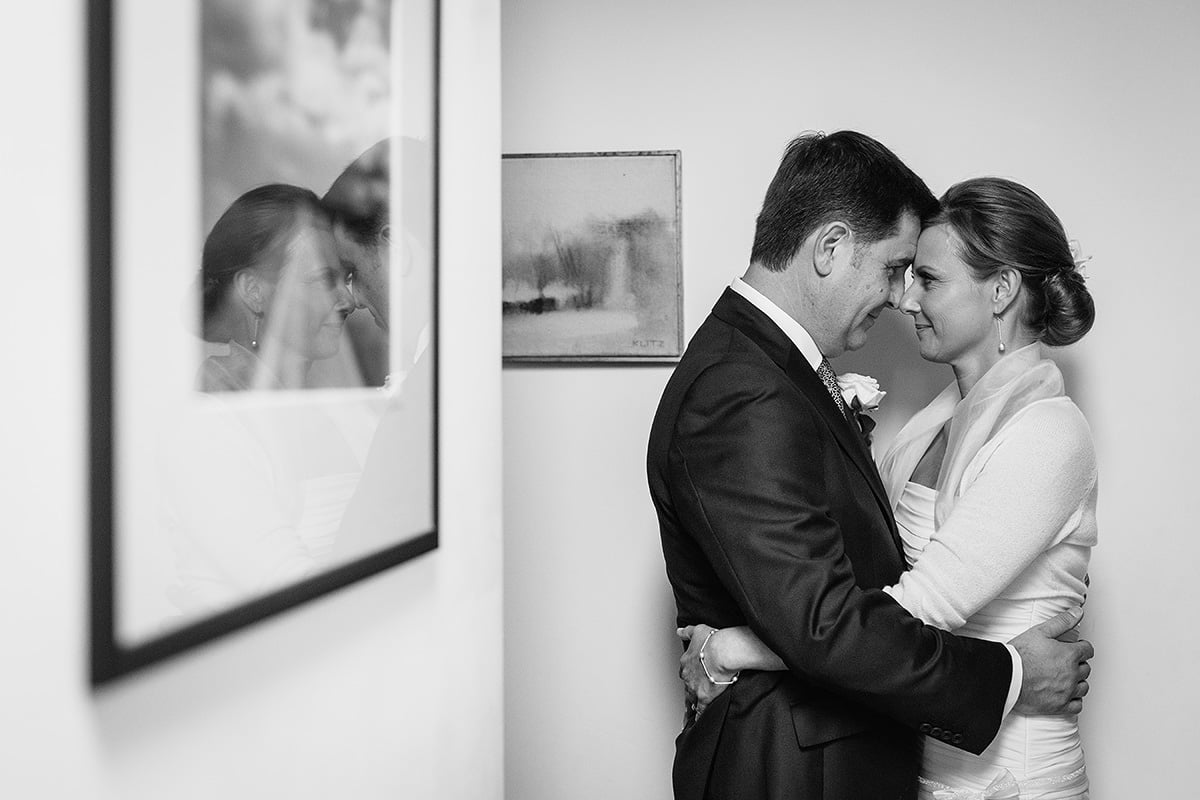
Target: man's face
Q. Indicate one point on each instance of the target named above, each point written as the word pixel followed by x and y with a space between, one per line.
pixel 370 268
pixel 872 280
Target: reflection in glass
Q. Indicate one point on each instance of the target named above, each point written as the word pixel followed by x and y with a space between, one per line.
pixel 288 427
pixel 274 291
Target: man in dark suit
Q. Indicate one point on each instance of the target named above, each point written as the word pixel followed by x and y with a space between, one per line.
pixel 772 514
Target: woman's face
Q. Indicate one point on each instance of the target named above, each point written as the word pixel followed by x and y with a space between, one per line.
pixel 311 299
pixel 952 310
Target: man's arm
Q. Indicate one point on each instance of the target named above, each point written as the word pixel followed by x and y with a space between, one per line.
pixel 1040 690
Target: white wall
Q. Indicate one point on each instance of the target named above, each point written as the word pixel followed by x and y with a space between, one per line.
pixel 389 688
pixel 1091 104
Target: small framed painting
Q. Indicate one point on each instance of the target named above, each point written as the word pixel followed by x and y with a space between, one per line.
pixel 592 262
pixel 262 299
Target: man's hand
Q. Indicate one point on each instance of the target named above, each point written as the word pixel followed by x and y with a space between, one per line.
pixel 1054 660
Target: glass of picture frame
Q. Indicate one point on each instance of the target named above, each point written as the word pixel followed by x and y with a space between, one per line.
pixel 262 299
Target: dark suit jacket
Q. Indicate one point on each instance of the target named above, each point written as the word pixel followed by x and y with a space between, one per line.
pixel 772 515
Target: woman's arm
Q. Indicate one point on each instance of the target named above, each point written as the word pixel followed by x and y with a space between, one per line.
pixel 1035 478
pixel 730 650
pixel 726 652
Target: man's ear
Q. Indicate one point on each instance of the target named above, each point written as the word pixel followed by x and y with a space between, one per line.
pixel 832 240
pixel 252 290
pixel 1005 290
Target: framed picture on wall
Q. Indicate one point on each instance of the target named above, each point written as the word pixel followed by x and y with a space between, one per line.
pixel 262 299
pixel 592 262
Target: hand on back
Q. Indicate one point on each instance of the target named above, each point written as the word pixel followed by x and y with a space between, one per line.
pixel 1055 664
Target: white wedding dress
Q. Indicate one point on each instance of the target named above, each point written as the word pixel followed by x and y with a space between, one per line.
pixel 1031 757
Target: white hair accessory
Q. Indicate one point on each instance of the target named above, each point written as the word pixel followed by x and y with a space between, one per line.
pixel 1079 258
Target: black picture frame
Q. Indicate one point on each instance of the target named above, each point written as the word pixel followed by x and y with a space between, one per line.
pixel 110 657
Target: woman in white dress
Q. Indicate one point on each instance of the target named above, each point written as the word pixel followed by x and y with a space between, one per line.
pixel 993 484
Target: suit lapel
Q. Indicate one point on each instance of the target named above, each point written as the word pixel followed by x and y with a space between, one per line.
pixel 850 440
pixel 735 310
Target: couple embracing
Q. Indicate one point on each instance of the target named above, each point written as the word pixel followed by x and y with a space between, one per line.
pixel 816 590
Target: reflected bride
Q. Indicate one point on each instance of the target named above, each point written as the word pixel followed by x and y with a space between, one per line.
pixel 255 487
pixel 273 290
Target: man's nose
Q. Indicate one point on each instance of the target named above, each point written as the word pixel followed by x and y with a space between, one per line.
pixel 895 291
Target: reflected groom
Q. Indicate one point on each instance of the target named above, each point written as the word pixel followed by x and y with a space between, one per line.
pixel 395 493
pixel 360 204
pixel 772 514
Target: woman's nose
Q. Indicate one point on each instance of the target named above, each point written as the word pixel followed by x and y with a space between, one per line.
pixel 908 302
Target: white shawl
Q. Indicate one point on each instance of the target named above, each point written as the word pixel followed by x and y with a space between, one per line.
pixel 1014 382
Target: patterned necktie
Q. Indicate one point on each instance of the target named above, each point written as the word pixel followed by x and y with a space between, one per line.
pixel 827 376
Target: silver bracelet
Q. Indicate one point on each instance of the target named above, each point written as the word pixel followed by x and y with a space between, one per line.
pixel 708 674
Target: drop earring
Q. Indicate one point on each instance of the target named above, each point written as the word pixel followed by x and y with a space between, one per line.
pixel 999 333
pixel 258 319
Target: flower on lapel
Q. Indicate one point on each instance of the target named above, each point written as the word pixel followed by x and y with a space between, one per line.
pixel 861 392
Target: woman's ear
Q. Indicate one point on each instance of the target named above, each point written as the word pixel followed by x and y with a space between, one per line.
pixel 833 240
pixel 251 290
pixel 1006 289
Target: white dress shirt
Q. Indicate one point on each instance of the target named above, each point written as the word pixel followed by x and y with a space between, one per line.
pixel 794 330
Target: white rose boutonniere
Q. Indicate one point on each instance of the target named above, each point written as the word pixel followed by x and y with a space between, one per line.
pixel 861 392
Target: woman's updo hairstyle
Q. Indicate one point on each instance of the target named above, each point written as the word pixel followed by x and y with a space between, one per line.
pixel 253 232
pixel 1004 224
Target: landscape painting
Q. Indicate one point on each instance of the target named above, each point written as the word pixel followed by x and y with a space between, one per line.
pixel 591 259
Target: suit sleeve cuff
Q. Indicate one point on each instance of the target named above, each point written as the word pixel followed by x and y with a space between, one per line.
pixel 1018 674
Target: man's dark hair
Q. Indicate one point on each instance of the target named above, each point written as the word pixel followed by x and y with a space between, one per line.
pixel 358 200
pixel 843 176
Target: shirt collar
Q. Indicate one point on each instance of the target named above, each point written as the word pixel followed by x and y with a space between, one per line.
pixel 794 330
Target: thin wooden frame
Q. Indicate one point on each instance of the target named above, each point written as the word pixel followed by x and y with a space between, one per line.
pixel 663 343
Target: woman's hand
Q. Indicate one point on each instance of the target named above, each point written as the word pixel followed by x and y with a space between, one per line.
pixel 700 691
pixel 727 652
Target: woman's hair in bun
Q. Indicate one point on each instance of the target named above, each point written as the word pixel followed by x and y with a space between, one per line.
pixel 1004 224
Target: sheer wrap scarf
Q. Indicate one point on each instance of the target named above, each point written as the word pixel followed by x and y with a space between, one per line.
pixel 1013 383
